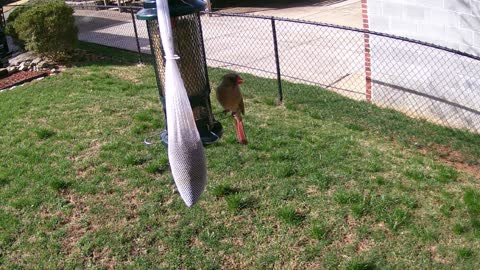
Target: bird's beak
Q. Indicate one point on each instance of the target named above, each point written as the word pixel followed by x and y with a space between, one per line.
pixel 239 80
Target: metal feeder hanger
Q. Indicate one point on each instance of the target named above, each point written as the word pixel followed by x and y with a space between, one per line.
pixel 188 42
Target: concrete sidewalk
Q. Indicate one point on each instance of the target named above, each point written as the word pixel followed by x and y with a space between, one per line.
pixel 346 12
pixel 111 28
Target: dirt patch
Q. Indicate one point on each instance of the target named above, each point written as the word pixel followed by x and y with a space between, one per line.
pixel 365 245
pixel 92 150
pixel 312 191
pixel 125 73
pixel 132 203
pixel 82 221
pixel 84 172
pixel 236 242
pixel 435 256
pixel 453 158
pixel 349 236
pixel 75 227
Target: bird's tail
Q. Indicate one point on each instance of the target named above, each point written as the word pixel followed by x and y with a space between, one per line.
pixel 242 138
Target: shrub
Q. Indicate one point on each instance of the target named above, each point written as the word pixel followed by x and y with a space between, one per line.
pixel 47 28
pixel 9 27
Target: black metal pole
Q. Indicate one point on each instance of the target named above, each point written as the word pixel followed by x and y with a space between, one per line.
pixel 277 61
pixel 202 43
pixel 140 60
pixel 203 51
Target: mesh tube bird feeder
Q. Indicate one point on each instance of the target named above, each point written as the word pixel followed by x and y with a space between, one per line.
pixel 188 43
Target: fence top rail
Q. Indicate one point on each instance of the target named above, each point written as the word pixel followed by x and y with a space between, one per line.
pixel 347 28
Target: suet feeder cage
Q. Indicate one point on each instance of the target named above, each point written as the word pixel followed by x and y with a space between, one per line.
pixel 188 42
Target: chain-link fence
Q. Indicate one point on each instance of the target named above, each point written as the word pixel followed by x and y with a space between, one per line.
pixel 109 26
pixel 422 80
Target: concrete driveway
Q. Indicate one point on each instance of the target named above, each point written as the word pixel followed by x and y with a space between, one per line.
pixel 309 54
pixel 347 13
pixel 111 28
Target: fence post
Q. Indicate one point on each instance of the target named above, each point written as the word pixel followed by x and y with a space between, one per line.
pixel 277 61
pixel 140 60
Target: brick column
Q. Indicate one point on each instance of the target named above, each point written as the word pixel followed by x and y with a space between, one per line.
pixel 368 69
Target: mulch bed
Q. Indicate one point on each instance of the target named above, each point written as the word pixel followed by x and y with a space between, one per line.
pixel 20 77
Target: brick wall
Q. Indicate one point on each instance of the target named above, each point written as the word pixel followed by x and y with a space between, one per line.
pixel 451 23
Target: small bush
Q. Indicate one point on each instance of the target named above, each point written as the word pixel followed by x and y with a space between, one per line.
pixel 9 27
pixel 47 28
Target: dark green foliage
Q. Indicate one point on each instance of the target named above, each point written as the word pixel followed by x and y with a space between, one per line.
pixel 320 232
pixel 134 160
pixel 58 184
pixel 155 168
pixel 8 225
pixel 361 266
pixel 472 201
pixel 290 216
pixel 223 190
pixel 464 253
pixel 47 28
pixel 238 202
pixel 459 229
pixel 344 197
pixel 9 28
pixel 44 133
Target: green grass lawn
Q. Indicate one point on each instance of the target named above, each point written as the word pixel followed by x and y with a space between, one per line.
pixel 325 182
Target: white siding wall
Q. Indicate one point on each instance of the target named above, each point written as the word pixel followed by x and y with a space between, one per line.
pixel 451 23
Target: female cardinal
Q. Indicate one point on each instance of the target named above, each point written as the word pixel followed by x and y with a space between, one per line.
pixel 229 96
